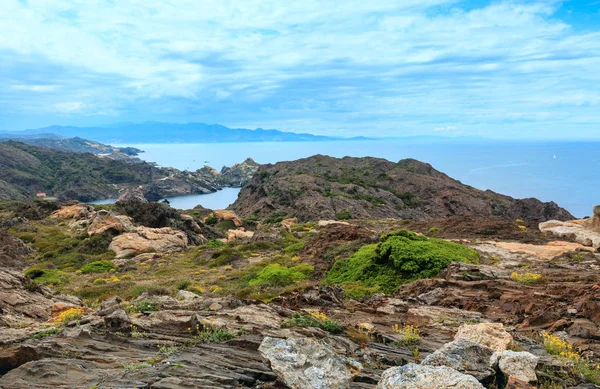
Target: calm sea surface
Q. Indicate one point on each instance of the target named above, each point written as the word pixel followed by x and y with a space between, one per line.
pixel 564 172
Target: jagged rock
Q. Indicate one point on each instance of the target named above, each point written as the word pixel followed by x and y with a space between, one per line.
pixel 148 240
pixel 191 223
pixel 185 295
pixel 103 221
pixel 225 215
pixel 414 376
pixel 431 297
pixel 584 328
pixel 583 231
pixel 432 314
pixel 520 365
pixel 12 251
pixel 305 363
pixel 393 306
pixel 514 383
pixel 132 196
pixel 109 305
pixel 118 320
pixel 239 234
pixel 492 335
pixel 289 223
pixel 261 316
pixel 325 223
pixel 465 356
pixel 75 211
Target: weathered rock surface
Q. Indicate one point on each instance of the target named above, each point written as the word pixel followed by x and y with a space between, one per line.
pixel 132 196
pixel 465 356
pixel 225 215
pixel 103 221
pixel 304 363
pixel 520 365
pixel 148 240
pixel 583 231
pixel 492 335
pixel 414 376
pixel 12 251
pixel 75 211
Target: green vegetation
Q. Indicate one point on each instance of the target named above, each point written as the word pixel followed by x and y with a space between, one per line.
pixel 47 333
pixel 276 217
pixel 98 267
pixel 277 275
pixel 343 215
pixel 211 220
pixel 183 284
pixel 294 248
pixel 141 306
pixel 214 244
pixel 398 258
pixel 52 277
pixel 135 366
pixel 314 320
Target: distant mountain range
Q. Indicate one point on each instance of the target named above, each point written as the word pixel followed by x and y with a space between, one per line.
pixel 155 132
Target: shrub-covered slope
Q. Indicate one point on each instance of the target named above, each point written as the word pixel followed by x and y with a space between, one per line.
pixel 321 187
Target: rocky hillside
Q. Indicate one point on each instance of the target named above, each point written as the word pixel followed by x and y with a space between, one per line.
pixel 27 170
pixel 322 187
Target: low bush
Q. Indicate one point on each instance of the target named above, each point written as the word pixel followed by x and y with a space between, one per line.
pixel 398 258
pixel 277 275
pixel 318 320
pixel 97 267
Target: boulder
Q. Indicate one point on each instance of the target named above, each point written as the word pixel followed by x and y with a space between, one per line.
pixel 465 356
pixel 426 315
pixel 520 365
pixel 305 363
pixel 225 215
pixel 514 383
pixel 132 196
pixel 492 335
pixel 104 221
pixel 118 320
pixel 414 376
pixel 239 234
pixel 148 240
pixel 185 295
pixel 289 223
pixel 12 251
pixel 75 211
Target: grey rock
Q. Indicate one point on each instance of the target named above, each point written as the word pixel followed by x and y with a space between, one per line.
pixel 117 321
pixel 465 356
pixel 414 376
pixel 305 363
pixel 520 365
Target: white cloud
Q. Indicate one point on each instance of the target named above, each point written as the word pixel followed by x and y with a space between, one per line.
pixel 443 129
pixel 70 107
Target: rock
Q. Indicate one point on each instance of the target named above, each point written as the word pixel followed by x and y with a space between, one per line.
pixel 191 223
pixel 76 211
pixel 514 383
pixel 519 365
pixel 325 223
pixel 465 356
pixel 261 316
pixel 225 215
pixel 581 231
pixel 393 306
pixel 431 314
pixel 148 240
pixel 132 196
pixel 584 328
pixel 239 234
pixel 104 221
pixel 185 295
pixel 414 376
pixel 12 251
pixel 117 321
pixel 492 335
pixel 305 363
pixel 58 308
pixel 215 307
pixel 289 223
pixel 431 297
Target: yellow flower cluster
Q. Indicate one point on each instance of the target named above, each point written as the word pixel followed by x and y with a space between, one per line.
pixel 68 315
pixel 319 315
pixel 526 278
pixel 556 346
pixel 410 334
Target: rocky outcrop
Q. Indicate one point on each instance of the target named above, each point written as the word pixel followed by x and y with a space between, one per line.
pixel 492 335
pixel 12 251
pixel 465 356
pixel 148 240
pixel 321 187
pixel 75 211
pixel 303 363
pixel 104 221
pixel 132 196
pixel 414 376
pixel 585 231
pixel 225 215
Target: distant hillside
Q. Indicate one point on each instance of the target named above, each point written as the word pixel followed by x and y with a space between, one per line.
pixel 76 145
pixel 154 132
pixel 27 170
pixel 321 187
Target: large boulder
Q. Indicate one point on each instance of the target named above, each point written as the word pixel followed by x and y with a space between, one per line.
pixel 465 356
pixel 520 365
pixel 586 231
pixel 225 215
pixel 492 335
pixel 75 211
pixel 104 221
pixel 414 376
pixel 12 251
pixel 132 196
pixel 304 363
pixel 148 240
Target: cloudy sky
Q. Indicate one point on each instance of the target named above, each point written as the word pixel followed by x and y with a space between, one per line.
pixel 353 67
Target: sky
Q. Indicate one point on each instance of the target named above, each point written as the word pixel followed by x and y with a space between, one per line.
pixel 501 69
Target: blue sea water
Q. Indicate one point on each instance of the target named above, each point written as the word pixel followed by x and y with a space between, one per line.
pixel 564 172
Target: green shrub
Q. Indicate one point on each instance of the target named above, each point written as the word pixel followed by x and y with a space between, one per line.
pixel 302 320
pixel 46 333
pixel 399 257
pixel 47 276
pixel 97 267
pixel 276 217
pixel 224 256
pixel 214 244
pixel 344 215
pixel 294 248
pixel 141 306
pixel 211 220
pixel 183 284
pixel 277 275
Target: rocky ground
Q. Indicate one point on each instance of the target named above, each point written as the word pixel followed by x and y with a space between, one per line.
pixel 172 302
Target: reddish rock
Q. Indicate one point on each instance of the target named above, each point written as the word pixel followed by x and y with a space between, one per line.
pixel 514 383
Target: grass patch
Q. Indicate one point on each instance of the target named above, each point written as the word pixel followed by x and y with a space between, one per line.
pixel 277 275
pixel 315 319
pixel 47 333
pixel 97 267
pixel 52 277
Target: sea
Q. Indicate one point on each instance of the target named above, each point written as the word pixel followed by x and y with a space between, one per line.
pixel 567 173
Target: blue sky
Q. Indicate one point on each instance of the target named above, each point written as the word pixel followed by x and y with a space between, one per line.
pixel 504 69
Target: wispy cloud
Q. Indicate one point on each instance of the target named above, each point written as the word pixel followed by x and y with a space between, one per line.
pixel 380 67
